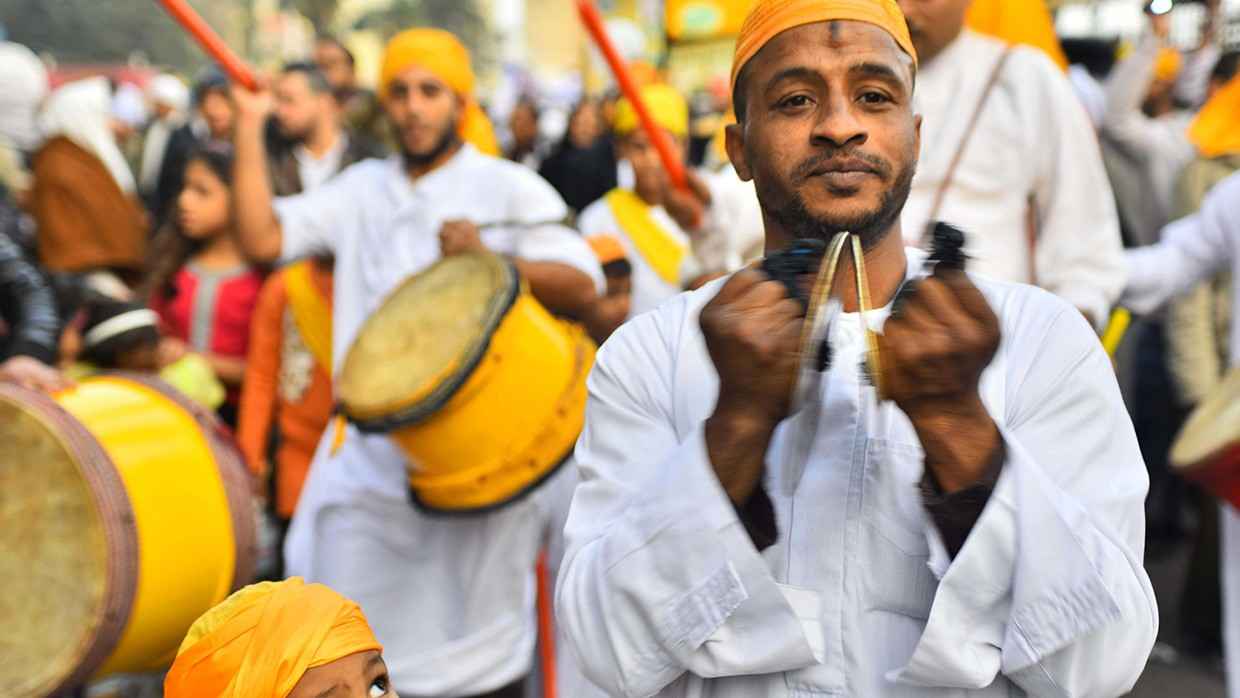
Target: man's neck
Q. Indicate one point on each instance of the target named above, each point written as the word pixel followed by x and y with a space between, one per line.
pixel 886 266
pixel 421 169
pixel 322 139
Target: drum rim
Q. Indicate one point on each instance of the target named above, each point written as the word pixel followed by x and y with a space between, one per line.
pixel 493 506
pixel 231 466
pixel 111 498
pixel 432 403
pixel 1185 456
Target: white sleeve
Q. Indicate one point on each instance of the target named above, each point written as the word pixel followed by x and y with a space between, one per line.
pixel 1049 588
pixel 1079 255
pixel 1191 250
pixel 660 577
pixel 313 221
pixel 532 200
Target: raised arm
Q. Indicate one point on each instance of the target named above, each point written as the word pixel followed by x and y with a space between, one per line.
pixel 258 229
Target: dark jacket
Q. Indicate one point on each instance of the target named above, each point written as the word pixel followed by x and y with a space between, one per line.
pixel 285 177
pixel 27 302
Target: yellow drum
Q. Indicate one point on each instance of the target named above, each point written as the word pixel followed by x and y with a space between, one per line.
pixel 480 386
pixel 124 515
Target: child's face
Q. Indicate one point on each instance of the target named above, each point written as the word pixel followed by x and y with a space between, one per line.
pixel 361 675
pixel 204 206
pixel 144 358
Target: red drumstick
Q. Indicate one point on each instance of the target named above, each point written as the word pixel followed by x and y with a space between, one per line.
pixel 593 22
pixel 211 42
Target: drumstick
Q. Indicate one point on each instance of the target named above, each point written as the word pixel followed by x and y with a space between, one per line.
pixel 192 22
pixel 593 22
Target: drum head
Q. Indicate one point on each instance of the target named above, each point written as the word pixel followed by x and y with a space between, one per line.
pixel 1212 427
pixel 424 340
pixel 67 549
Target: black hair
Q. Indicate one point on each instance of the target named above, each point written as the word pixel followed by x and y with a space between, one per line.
pixel 170 249
pixel 617 268
pixel 210 81
pixel 314 76
pixel 1226 67
pixel 329 39
pixel 105 354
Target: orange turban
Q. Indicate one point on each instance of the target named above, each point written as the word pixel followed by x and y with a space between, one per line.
pixel 446 57
pixel 1027 22
pixel 607 248
pixel 261 640
pixel 769 18
pixel 1168 65
pixel 1216 130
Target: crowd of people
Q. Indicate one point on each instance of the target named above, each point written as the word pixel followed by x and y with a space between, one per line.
pixel 968 514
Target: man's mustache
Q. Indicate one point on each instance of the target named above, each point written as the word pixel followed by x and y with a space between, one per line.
pixel 841 160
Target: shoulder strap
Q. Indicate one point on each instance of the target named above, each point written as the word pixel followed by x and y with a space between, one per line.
pixel 311 312
pixel 657 247
pixel 958 156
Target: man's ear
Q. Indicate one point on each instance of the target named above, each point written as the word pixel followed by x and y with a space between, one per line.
pixel 734 141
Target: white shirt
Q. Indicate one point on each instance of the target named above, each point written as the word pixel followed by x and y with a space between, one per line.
pixel 1192 250
pixel 649 289
pixel 663 593
pixel 451 598
pixel 315 171
pixel 1033 143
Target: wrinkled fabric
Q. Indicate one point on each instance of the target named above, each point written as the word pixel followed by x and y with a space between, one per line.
pixel 261 640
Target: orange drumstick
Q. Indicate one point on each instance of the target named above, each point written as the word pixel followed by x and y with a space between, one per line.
pixel 211 42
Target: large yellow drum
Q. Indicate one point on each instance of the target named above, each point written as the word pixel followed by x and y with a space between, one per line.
pixel 480 386
pixel 124 515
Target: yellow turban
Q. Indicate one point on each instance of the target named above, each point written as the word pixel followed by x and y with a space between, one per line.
pixel 607 248
pixel 1168 65
pixel 1027 22
pixel 1216 130
pixel 446 57
pixel 668 109
pixel 769 18
pixel 261 640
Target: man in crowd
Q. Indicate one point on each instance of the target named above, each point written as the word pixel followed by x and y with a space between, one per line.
pixel 963 518
pixel 451 598
pixel 169 101
pixel 1009 154
pixel 310 142
pixel 359 108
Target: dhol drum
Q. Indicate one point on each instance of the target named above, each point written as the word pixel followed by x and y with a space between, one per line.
pixel 124 515
pixel 1207 450
pixel 477 383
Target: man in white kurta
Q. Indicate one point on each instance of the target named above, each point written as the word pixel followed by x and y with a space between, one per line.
pixel 1191 251
pixel 673 585
pixel 1030 185
pixel 451 598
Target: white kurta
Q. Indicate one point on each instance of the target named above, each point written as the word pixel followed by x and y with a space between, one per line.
pixel 1033 146
pixel 451 598
pixel 649 289
pixel 1191 251
pixel 663 593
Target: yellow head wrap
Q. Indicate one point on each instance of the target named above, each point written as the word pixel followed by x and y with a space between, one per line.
pixel 668 109
pixel 607 248
pixel 768 18
pixel 446 57
pixel 1027 22
pixel 1216 130
pixel 1168 65
pixel 261 640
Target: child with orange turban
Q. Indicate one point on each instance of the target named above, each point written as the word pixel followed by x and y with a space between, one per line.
pixel 279 640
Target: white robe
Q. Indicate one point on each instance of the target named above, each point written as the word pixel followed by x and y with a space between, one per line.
pixel 663 593
pixel 1034 146
pixel 451 598
pixel 1192 250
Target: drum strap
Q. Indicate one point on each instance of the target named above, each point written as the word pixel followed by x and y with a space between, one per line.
pixel 312 312
pixel 662 252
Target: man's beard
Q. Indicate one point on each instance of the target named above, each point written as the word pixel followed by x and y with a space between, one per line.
pixel 791 212
pixel 447 141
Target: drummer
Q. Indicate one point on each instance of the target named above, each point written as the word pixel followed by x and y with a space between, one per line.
pixel 451 598
pixel 1192 250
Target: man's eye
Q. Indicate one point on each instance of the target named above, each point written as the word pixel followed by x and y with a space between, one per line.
pixel 872 97
pixel 379 687
pixel 794 101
